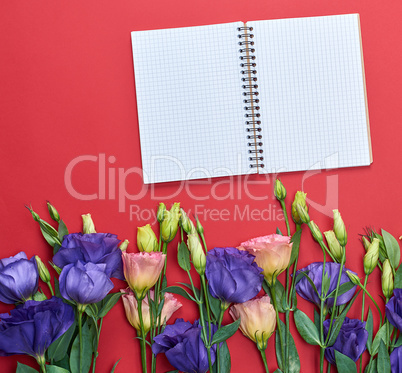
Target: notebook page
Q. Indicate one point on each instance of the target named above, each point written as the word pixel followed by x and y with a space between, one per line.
pixel 189 100
pixel 312 93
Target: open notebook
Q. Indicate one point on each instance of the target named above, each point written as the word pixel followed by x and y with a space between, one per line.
pixel 238 98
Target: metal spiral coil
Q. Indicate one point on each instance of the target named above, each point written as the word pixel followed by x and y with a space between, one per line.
pixel 253 122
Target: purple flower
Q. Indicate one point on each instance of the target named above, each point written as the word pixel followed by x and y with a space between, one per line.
pixel 32 327
pixel 183 346
pixel 18 278
pixel 396 360
pixel 91 248
pixel 314 271
pixel 233 276
pixel 351 340
pixel 84 283
pixel 393 309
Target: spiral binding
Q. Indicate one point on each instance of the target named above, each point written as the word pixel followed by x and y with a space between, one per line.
pixel 253 122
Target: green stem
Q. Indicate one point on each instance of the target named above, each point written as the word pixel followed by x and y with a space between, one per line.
pixel 272 288
pixel 322 350
pixel 42 363
pixel 336 295
pixel 286 216
pixel 287 321
pixel 329 368
pixel 221 313
pixel 143 337
pixel 204 243
pixel 50 287
pixel 80 336
pixel 204 287
pixel 387 328
pixel 372 299
pixel 97 344
pixel 363 296
pixel 158 288
pixel 264 359
pixel 202 322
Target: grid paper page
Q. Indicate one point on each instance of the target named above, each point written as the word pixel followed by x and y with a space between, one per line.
pixel 312 93
pixel 189 100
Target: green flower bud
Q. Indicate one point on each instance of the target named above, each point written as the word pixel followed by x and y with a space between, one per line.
pixel 200 228
pixel 88 224
pixel 339 228
pixel 279 191
pixel 185 221
pixel 354 278
pixel 146 239
pixel 334 246
pixel 300 198
pixel 123 246
pixel 315 231
pixel 302 212
pixel 371 258
pixel 53 212
pixel 387 279
pixel 170 223
pixel 42 269
pixel 160 215
pixel 366 243
pixel 197 253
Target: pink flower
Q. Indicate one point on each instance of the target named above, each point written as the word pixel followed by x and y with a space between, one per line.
pixel 170 306
pixel 258 319
pixel 272 254
pixel 142 270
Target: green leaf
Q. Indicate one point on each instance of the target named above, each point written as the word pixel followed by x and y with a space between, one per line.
pixel 58 349
pixel 55 369
pixel 383 361
pixel 278 231
pixel 317 322
pixel 179 291
pixel 164 284
pixel 87 349
pixel 22 368
pixel 183 257
pixel 392 248
pixel 62 230
pixel 342 289
pixel 225 332
pixel 197 291
pixel 306 328
pixel 372 367
pixel 398 341
pixel 215 306
pixel 278 371
pixel 369 328
pixel 380 336
pixel 296 245
pixel 39 296
pixel 173 371
pixel 63 363
pixel 114 366
pixel 293 363
pixel 280 296
pixel 109 302
pixel 344 363
pixel 398 278
pixel 224 359
pixel 91 310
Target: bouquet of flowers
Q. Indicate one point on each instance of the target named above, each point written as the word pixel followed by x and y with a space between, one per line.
pixel 257 282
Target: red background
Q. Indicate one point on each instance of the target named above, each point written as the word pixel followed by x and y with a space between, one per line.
pixel 67 90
